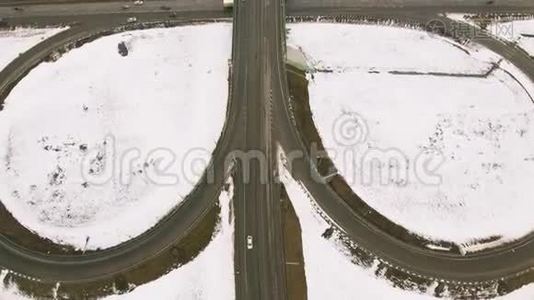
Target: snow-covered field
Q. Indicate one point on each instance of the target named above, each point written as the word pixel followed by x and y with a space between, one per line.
pixel 448 158
pixel 17 41
pixel 96 147
pixel 367 48
pixel 330 272
pixel 520 32
pixel 209 276
pixel 523 34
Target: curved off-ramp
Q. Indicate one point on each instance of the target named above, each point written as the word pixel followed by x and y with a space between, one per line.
pixel 505 268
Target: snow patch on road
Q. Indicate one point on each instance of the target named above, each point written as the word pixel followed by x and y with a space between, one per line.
pixel 19 40
pixel 476 133
pixel 85 141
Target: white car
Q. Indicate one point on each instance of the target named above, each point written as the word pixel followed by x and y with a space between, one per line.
pixel 131 20
pixel 139 2
pixel 249 242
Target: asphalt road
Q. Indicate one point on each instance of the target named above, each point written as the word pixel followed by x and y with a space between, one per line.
pixel 111 13
pixel 258 119
pixel 262 268
pixel 340 6
pixel 28 8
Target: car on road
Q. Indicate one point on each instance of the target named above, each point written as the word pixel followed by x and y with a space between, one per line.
pixel 125 7
pixel 131 20
pixel 139 2
pixel 249 242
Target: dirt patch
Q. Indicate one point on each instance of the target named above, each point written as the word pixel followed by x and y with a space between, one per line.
pixel 123 49
pixel 20 235
pixel 295 273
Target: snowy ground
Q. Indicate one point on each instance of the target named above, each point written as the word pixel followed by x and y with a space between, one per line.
pixel 367 48
pixel 330 272
pixel 448 158
pixel 523 34
pixel 17 41
pixel 209 276
pixel 519 31
pixel 85 142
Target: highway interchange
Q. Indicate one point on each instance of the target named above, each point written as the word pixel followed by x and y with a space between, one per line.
pixel 258 119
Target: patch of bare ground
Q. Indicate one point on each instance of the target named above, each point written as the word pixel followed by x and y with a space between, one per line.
pixel 295 273
pixel 20 235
